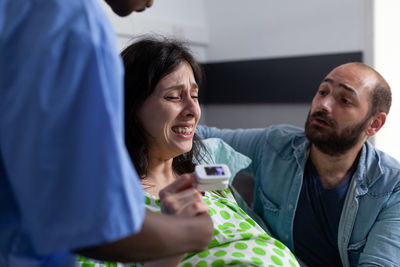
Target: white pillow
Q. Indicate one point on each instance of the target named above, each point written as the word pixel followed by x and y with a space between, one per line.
pixel 219 152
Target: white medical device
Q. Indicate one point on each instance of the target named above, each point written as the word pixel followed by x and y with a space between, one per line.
pixel 212 177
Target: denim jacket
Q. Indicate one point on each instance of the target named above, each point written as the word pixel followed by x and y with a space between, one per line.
pixel 369 228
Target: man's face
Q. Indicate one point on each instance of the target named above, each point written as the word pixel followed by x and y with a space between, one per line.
pixel 339 111
pixel 125 7
pixel 334 142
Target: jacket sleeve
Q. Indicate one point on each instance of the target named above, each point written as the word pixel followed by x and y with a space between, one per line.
pixel 249 142
pixel 382 246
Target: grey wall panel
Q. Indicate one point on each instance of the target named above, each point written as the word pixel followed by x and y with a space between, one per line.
pixel 279 80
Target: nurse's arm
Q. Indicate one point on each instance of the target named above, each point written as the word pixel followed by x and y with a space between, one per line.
pixel 161 236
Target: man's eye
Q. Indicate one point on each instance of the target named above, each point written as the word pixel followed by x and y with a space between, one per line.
pixel 195 96
pixel 321 92
pixel 346 101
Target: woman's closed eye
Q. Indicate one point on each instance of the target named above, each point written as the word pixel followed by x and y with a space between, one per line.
pixel 176 97
pixel 172 97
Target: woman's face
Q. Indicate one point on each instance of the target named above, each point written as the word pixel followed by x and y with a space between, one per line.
pixel 171 113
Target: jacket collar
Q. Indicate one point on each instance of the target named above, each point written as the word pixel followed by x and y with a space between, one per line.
pixel 368 168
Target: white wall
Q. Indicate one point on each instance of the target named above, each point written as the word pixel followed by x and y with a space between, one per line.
pixel 383 53
pixel 267 28
pixel 225 30
pixel 184 19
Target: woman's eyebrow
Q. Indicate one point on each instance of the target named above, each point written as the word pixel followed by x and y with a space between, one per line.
pixel 182 86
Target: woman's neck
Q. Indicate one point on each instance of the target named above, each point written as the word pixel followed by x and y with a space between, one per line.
pixel 159 174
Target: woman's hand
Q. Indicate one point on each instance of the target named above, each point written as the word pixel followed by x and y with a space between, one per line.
pixel 181 198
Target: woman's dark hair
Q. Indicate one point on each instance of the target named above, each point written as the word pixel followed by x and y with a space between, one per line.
pixel 146 62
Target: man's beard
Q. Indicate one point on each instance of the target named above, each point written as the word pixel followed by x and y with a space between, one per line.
pixel 334 143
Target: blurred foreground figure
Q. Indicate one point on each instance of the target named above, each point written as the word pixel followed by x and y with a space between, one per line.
pixel 66 180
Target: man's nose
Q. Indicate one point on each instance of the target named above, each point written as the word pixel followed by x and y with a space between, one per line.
pixel 326 103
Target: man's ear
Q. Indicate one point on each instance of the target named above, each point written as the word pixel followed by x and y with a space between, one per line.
pixel 376 123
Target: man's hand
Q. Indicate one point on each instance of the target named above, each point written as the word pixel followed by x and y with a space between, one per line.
pixel 182 199
pixel 186 226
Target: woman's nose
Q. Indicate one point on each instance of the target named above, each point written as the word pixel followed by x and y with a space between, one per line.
pixel 192 107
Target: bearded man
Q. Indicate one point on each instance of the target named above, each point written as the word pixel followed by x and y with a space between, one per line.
pixel 325 191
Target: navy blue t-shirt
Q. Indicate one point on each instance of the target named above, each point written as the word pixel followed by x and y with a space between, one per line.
pixel 317 220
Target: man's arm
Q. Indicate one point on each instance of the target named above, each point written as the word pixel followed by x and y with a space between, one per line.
pixel 176 200
pixel 249 142
pixel 187 228
pixel 161 236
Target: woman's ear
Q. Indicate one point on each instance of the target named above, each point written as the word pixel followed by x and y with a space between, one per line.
pixel 376 123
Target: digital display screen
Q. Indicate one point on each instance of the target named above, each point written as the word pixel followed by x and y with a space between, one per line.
pixel 217 170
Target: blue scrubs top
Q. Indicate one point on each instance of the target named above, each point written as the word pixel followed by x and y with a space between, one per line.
pixel 66 180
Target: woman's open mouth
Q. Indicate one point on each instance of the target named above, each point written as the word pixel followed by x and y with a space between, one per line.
pixel 183 130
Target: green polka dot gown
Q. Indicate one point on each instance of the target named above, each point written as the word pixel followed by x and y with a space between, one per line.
pixel 238 240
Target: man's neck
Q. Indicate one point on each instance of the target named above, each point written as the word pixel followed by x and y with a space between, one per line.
pixel 333 170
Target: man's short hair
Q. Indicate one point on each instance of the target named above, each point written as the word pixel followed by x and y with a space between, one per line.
pixel 381 95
